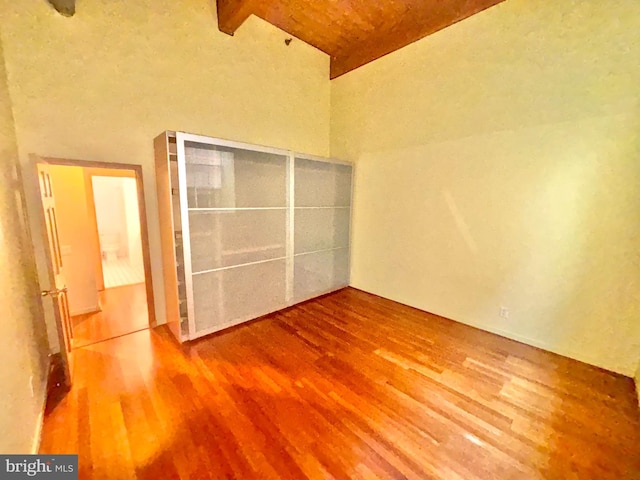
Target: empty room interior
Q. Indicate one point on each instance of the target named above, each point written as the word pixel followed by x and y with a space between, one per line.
pixel 290 239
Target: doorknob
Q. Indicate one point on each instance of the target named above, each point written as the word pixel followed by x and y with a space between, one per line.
pixel 54 293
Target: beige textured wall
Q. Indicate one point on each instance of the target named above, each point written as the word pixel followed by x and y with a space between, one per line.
pixel 102 84
pixel 498 164
pixel 23 343
pixel 76 237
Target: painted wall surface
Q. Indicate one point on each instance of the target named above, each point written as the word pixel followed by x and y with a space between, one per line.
pixel 102 84
pixel 132 221
pixel 76 243
pixel 108 197
pixel 23 343
pixel 498 164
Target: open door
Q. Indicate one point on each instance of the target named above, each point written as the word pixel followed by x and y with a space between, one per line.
pixel 57 287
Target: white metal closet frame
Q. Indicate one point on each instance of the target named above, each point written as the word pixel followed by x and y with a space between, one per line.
pixel 290 208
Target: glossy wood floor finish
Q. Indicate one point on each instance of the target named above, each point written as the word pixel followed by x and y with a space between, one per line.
pixel 346 386
pixel 124 310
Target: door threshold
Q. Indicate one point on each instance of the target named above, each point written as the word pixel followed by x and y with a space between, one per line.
pixel 110 338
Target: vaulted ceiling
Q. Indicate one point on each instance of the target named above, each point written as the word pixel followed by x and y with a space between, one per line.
pixel 352 32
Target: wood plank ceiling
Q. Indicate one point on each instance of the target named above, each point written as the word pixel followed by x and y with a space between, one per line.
pixel 352 32
pixel 64 7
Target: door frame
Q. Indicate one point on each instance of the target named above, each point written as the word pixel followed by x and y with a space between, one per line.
pixel 144 230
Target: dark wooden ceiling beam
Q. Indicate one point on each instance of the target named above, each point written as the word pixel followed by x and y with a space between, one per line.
pixel 409 29
pixel 233 13
pixel 352 32
pixel 64 7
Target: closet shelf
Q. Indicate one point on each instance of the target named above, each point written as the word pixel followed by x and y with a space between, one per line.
pixel 198 164
pixel 230 267
pixel 321 208
pixel 321 251
pixel 241 251
pixel 232 209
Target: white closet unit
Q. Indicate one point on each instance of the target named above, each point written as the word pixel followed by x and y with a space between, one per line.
pixel 321 226
pixel 247 230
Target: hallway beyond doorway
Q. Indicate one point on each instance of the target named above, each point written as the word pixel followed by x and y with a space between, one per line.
pixel 120 272
pixel 124 310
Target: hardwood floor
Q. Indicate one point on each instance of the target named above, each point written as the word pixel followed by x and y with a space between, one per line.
pixel 346 386
pixel 124 310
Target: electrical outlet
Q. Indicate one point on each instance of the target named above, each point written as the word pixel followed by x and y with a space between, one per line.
pixel 31 386
pixel 504 312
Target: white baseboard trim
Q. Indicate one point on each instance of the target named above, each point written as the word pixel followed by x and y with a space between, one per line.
pixel 37 434
pixel 545 346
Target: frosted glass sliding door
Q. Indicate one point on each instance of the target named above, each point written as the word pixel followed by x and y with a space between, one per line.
pixel 322 219
pixel 255 229
pixel 237 213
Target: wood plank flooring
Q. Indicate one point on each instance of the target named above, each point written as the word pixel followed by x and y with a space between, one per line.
pixel 346 386
pixel 124 310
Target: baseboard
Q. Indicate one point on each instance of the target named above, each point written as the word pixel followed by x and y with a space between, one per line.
pixel 37 436
pixel 44 395
pixel 519 338
pixel 51 389
pixel 546 347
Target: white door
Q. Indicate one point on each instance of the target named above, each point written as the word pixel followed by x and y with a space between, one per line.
pixel 57 292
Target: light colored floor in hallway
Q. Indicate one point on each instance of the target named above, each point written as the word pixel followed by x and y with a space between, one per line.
pixel 120 272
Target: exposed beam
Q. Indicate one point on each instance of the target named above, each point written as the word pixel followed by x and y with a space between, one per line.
pixel 233 13
pixel 408 29
pixel 356 32
pixel 64 7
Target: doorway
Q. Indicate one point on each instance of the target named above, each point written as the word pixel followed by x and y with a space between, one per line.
pixel 103 243
pixel 115 205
